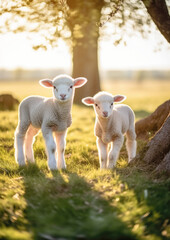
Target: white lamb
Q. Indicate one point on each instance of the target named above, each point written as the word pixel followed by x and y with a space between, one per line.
pixel 52 115
pixel 112 122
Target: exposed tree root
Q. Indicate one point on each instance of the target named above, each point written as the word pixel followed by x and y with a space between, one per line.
pixel 155 156
pixel 153 122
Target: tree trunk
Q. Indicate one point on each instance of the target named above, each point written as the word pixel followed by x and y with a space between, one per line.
pixel 159 145
pixel 153 122
pixel 158 151
pixel 155 156
pixel 164 166
pixel 85 64
pixel 85 35
pixel 158 11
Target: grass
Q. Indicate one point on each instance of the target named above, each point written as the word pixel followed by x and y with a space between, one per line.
pixel 81 202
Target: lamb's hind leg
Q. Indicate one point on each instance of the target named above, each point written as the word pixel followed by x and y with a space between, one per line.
pixel 131 144
pixel 29 140
pixel 19 142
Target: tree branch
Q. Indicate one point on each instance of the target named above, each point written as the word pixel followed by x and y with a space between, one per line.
pixel 158 11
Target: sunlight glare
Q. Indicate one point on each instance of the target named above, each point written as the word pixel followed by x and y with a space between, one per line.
pixel 16 52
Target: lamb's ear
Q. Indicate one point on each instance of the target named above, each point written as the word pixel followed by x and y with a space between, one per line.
pixel 46 83
pixel 88 101
pixel 79 82
pixel 119 98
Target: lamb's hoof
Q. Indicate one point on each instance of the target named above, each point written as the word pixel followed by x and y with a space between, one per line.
pixel 63 168
pixel 111 166
pixel 131 159
pixel 103 168
pixel 52 168
pixel 21 162
pixel 30 160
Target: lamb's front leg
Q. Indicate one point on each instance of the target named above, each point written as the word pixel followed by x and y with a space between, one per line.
pixel 61 143
pixel 50 147
pixel 114 151
pixel 102 150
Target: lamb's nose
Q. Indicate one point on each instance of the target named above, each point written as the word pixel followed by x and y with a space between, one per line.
pixel 62 96
pixel 105 114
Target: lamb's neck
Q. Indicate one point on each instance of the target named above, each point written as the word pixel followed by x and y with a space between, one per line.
pixel 105 123
pixel 63 108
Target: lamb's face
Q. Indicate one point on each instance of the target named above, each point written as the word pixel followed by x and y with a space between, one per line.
pixel 63 86
pixel 63 89
pixel 103 105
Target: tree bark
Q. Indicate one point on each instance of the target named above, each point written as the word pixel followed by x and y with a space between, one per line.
pixel 158 11
pixel 164 166
pixel 153 122
pixel 159 146
pixel 155 156
pixel 85 64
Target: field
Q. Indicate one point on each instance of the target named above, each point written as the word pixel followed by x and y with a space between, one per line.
pixel 81 202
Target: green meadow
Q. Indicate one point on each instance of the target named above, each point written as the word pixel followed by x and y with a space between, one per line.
pixel 82 202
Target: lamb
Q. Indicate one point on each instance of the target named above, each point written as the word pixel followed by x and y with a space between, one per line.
pixel 112 122
pixel 52 115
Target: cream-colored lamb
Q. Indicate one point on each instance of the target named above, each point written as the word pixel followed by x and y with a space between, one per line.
pixel 52 115
pixel 112 122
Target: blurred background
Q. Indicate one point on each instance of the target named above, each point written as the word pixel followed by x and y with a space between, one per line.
pixel 108 41
pixel 120 46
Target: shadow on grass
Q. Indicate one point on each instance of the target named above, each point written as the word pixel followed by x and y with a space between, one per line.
pixel 65 206
pixel 153 197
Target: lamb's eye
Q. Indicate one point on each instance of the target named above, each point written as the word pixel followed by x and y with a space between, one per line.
pixel 71 86
pixel 97 105
pixel 55 88
pixel 111 104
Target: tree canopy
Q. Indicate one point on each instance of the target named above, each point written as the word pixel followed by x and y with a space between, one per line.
pixel 82 23
pixel 53 19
